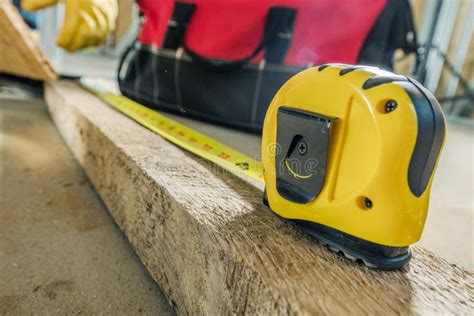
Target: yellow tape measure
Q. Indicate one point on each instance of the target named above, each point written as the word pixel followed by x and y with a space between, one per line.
pixel 179 134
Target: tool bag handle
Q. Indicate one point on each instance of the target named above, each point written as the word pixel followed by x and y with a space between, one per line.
pixel 279 19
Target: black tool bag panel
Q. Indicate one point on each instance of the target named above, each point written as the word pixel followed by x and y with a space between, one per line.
pixel 170 80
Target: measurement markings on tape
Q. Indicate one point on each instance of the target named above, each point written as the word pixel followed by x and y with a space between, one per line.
pixel 179 134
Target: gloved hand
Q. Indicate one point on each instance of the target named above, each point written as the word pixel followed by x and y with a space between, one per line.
pixel 86 22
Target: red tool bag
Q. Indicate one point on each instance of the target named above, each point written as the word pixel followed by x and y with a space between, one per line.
pixel 223 60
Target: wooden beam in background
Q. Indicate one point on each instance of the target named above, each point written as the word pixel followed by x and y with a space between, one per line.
pixel 20 54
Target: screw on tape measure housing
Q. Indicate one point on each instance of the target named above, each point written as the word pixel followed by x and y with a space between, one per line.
pixel 179 134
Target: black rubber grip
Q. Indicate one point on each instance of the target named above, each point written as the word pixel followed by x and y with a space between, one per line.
pixel 430 136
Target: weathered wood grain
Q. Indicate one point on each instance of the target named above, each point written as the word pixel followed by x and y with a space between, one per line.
pixel 211 244
pixel 19 53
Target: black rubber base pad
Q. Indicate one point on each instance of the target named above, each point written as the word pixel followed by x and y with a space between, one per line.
pixel 373 255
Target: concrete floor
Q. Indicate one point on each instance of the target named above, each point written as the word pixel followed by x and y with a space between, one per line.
pixel 61 253
pixel 60 250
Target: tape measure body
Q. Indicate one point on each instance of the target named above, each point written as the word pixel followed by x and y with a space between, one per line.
pixel 370 142
pixel 179 134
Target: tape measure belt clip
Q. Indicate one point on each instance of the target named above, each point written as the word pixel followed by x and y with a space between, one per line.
pixel 303 141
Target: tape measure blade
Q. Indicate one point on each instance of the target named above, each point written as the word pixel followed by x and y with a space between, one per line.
pixel 179 134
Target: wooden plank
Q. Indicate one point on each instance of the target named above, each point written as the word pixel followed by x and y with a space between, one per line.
pixel 19 53
pixel 454 42
pixel 211 244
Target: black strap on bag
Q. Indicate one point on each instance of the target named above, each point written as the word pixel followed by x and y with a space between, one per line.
pixel 177 25
pixel 280 41
pixel 276 38
pixel 394 29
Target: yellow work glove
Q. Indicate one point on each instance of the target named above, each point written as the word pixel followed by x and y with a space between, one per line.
pixel 86 22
